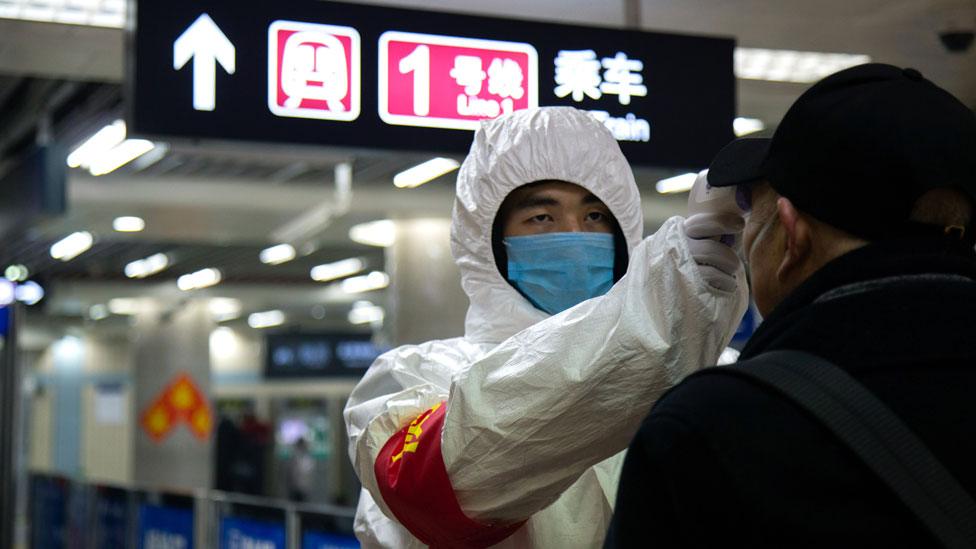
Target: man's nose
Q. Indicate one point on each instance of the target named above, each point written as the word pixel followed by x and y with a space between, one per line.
pixel 571 226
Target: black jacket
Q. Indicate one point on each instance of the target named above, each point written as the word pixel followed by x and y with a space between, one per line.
pixel 721 462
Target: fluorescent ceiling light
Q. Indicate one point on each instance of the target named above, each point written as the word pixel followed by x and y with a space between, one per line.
pixel 104 140
pixel 120 155
pixel 29 293
pixel 125 306
pixel 200 279
pixel 147 267
pixel 224 308
pixel 422 173
pixel 792 66
pixel 72 245
pixel 266 319
pixel 375 280
pixel 105 13
pixel 677 184
pixel 380 233
pixel 339 269
pixel 16 273
pixel 98 312
pixel 365 312
pixel 744 126
pixel 275 255
pixel 128 224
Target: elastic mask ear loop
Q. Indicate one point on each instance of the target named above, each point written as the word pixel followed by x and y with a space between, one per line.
pixel 744 254
pixel 757 240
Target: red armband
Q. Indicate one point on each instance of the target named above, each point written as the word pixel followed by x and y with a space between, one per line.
pixel 414 484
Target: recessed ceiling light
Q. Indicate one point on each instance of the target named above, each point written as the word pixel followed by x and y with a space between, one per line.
pixel 120 155
pixel 266 319
pixel 375 280
pixel 422 173
pixel 16 273
pixel 677 184
pixel 380 233
pixel 365 312
pixel 72 246
pixel 98 144
pixel 29 293
pixel 744 126
pixel 128 224
pixel 790 65
pixel 200 279
pixel 224 308
pixel 149 266
pixel 338 269
pixel 276 255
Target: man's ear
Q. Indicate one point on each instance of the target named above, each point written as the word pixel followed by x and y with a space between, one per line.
pixel 797 238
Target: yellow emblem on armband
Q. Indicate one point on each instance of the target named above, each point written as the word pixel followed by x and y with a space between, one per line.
pixel 414 430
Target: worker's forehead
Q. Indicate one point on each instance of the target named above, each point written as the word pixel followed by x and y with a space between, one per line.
pixel 556 191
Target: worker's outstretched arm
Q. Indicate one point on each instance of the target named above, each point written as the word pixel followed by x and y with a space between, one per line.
pixel 464 457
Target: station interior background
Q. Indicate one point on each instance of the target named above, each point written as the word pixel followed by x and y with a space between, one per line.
pixel 84 348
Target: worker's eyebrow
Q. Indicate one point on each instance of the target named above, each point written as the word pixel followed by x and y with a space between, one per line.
pixel 535 201
pixel 592 199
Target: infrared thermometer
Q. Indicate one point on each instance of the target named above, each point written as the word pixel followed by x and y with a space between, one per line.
pixel 718 203
pixel 705 198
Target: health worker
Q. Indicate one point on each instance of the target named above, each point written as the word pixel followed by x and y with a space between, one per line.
pixel 513 435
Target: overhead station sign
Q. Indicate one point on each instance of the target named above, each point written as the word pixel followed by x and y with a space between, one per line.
pixel 347 75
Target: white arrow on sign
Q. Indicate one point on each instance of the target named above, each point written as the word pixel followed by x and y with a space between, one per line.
pixel 205 43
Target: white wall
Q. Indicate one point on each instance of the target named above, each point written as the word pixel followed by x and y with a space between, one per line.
pixel 41 426
pixel 40 409
pixel 105 443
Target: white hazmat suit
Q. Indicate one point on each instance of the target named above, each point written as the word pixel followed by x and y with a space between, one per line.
pixel 531 413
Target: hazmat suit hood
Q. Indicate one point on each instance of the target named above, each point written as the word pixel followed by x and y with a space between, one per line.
pixel 548 143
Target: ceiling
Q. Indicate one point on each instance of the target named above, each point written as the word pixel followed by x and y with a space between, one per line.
pixel 219 204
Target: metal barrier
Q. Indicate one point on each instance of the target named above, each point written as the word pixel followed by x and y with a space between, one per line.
pixel 65 514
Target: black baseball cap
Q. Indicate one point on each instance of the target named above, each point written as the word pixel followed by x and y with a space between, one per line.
pixel 859 148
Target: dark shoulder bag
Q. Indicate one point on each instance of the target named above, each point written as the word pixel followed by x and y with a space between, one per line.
pixel 878 437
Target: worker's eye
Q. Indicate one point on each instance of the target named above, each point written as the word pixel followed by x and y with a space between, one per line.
pixel 541 218
pixel 597 217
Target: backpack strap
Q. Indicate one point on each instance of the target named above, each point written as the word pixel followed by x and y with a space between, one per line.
pixel 873 432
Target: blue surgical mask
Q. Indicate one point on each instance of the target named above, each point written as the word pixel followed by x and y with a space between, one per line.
pixel 556 271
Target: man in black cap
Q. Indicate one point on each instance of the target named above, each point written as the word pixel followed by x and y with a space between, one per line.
pixel 860 243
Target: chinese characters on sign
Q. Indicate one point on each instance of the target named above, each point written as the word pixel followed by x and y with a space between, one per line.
pixel 313 71
pixel 578 75
pixel 448 82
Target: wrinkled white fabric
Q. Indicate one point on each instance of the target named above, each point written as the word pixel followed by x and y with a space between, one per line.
pixel 541 408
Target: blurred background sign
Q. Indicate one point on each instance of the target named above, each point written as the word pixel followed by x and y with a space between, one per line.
pixel 313 355
pixel 162 526
pixel 241 532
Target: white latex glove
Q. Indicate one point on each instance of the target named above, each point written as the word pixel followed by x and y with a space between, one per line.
pixel 714 228
pixel 716 261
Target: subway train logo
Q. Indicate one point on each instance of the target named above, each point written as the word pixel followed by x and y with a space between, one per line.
pixel 181 402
